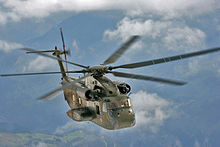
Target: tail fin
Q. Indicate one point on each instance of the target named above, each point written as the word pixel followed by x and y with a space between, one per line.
pixel 58 54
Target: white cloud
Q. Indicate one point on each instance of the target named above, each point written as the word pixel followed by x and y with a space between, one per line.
pixel 185 37
pixel 41 63
pixel 194 66
pixel 9 46
pixel 150 109
pixel 204 63
pixel 41 144
pixel 71 125
pixel 178 143
pixel 196 144
pixel 218 71
pixel 218 28
pixel 158 36
pixel 77 53
pixel 127 27
pixel 17 9
pixel 65 128
pixel 75 47
pixel 3 18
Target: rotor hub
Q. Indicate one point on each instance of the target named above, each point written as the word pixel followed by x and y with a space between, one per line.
pixel 98 70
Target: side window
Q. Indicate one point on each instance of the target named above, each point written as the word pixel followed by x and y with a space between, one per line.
pixel 104 108
pixel 97 110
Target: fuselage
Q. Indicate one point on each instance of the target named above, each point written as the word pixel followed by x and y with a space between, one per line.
pixel 110 112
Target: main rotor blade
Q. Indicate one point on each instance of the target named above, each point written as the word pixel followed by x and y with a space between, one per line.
pixel 148 78
pixel 167 59
pixel 51 94
pixel 39 73
pixel 52 57
pixel 121 50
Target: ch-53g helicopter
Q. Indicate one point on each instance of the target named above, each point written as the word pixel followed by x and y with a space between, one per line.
pixel 96 98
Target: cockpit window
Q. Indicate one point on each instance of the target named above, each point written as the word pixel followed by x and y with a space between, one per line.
pixel 119 104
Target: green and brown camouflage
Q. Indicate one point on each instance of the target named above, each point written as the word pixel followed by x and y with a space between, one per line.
pixel 110 112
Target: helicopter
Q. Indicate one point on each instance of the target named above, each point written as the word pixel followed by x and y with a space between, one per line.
pixel 96 98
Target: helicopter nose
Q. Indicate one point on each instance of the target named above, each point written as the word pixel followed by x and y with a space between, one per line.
pixel 125 118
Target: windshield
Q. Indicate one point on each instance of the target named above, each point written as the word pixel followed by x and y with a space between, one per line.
pixel 119 104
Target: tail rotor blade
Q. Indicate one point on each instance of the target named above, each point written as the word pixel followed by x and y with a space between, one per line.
pixel 64 46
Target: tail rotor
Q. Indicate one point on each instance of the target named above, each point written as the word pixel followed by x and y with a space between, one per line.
pixel 64 48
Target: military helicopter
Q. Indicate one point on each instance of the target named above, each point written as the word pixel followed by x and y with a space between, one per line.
pixel 94 97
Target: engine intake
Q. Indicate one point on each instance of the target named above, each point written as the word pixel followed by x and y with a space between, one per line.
pixel 91 95
pixel 124 88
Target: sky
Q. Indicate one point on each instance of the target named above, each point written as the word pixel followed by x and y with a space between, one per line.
pixel 95 29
